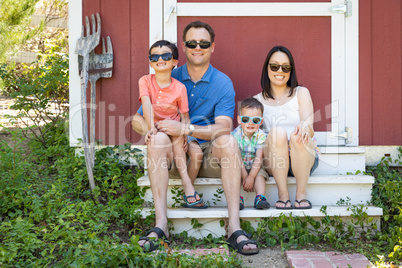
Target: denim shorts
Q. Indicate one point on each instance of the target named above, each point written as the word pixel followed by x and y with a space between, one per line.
pixel 315 165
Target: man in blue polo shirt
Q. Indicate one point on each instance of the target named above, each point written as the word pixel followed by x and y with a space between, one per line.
pixel 211 102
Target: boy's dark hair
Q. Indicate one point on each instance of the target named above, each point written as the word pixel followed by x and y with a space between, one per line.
pixel 166 43
pixel 199 24
pixel 251 103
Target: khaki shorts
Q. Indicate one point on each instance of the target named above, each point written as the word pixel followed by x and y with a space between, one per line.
pixel 262 173
pixel 210 167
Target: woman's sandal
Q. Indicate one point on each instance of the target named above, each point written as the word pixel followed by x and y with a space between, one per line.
pixel 239 246
pixel 154 244
pixel 194 204
pixel 303 200
pixel 285 207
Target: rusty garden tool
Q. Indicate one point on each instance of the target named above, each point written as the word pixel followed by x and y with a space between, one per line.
pixel 92 66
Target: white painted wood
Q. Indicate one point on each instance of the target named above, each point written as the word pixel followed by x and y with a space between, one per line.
pixel 344 51
pixel 211 218
pixel 253 9
pixel 321 190
pixel 170 27
pixel 155 23
pixel 75 24
pixel 352 72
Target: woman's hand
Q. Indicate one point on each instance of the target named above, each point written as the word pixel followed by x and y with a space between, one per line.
pixel 302 132
pixel 149 135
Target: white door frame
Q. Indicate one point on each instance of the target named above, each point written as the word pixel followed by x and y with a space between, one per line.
pixel 344 46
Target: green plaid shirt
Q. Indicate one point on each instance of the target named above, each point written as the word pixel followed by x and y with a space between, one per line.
pixel 249 147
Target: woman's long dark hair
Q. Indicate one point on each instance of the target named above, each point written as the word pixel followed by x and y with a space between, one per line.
pixel 266 83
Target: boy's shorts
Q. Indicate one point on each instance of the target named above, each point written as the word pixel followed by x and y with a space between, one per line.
pixel 262 173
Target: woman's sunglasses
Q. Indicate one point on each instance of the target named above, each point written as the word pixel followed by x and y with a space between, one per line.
pixel 255 119
pixel 164 56
pixel 275 67
pixel 193 44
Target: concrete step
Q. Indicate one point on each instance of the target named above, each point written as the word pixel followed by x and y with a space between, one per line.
pixel 326 190
pixel 214 219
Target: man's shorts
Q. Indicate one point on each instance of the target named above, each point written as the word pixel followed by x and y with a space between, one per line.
pixel 210 167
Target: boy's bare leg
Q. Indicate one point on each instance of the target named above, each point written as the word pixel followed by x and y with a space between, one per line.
pixel 181 164
pixel 259 185
pixel 139 125
pixel 195 154
pixel 225 148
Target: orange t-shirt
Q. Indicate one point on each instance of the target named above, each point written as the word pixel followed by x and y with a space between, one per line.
pixel 168 102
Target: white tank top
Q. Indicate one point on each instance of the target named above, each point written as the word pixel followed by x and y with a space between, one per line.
pixel 286 116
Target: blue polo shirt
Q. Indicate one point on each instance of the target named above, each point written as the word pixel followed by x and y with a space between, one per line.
pixel 209 98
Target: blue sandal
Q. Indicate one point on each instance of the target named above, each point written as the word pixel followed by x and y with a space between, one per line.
pixel 194 204
pixel 260 202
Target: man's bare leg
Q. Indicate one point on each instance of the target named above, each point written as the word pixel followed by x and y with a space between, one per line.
pixel 225 148
pixel 159 157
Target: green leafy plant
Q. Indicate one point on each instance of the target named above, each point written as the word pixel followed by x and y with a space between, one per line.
pixel 40 91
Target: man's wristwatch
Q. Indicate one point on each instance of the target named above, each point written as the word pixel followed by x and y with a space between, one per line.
pixel 191 129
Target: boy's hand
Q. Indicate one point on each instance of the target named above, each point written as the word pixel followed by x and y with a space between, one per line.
pixel 149 135
pixel 248 184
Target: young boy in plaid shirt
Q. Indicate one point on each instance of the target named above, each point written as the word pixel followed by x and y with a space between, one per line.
pixel 251 140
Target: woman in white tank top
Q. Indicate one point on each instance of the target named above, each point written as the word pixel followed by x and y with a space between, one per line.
pixel 288 121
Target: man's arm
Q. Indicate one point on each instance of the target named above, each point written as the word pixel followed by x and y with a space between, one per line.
pixel 222 126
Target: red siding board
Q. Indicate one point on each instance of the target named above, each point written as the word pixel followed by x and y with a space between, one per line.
pixel 386 62
pixel 366 75
pixel 380 93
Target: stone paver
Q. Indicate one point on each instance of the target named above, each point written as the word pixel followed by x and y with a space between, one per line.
pixel 318 259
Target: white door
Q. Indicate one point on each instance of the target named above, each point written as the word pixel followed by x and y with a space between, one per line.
pixel 340 109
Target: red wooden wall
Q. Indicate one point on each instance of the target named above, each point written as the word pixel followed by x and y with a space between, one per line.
pixel 127 23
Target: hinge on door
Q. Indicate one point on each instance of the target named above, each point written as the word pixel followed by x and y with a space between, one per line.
pixel 342 9
pixel 347 135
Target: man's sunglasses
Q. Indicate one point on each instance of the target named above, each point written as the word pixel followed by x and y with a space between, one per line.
pixel 193 44
pixel 255 119
pixel 275 67
pixel 164 56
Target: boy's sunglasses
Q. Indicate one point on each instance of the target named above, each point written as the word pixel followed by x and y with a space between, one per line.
pixel 255 119
pixel 164 56
pixel 193 44
pixel 275 67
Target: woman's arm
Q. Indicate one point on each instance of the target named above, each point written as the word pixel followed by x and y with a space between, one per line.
pixel 306 112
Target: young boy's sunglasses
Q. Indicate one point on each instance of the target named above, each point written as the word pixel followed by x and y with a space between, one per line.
pixel 275 67
pixel 193 44
pixel 255 119
pixel 164 56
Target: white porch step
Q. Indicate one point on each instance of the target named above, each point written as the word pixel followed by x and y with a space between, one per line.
pixel 211 218
pixel 321 190
pixel 341 160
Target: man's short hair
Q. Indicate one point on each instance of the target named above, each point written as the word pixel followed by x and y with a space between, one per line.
pixel 199 24
pixel 252 103
pixel 166 43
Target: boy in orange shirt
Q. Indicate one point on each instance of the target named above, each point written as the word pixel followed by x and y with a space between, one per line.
pixel 164 97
